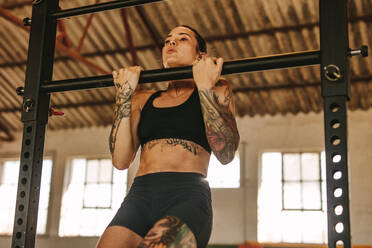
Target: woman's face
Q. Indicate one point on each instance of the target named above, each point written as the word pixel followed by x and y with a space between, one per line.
pixel 180 48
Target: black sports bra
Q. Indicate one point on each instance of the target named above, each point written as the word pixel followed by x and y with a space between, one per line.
pixel 184 121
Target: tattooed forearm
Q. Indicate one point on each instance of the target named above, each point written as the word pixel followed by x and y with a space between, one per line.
pixel 221 129
pixel 122 110
pixel 171 142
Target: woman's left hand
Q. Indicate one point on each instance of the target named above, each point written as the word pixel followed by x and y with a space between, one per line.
pixel 207 72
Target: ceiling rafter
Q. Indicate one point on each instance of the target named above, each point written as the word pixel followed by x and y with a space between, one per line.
pixel 70 52
pixel 210 39
pixel 85 31
pixel 132 49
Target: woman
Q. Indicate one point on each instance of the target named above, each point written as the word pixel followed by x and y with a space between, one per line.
pixel 169 203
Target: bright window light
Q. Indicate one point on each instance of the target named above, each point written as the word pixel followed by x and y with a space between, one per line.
pixel 224 176
pixel 292 191
pixel 93 193
pixel 9 173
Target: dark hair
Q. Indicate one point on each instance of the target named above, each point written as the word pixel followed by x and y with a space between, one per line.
pixel 202 45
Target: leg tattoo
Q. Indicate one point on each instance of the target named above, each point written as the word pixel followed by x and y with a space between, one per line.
pixel 169 232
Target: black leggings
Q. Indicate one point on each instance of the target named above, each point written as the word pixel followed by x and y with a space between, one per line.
pixel 154 196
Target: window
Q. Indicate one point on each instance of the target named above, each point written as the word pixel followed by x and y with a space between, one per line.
pixel 9 173
pixel 292 191
pixel 94 190
pixel 224 176
pixel 301 181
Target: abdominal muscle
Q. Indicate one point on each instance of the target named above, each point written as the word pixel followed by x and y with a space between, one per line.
pixel 173 155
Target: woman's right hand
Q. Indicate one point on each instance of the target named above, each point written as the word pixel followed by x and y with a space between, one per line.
pixel 126 80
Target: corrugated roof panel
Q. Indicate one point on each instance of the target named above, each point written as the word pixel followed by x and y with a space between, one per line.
pixel 233 29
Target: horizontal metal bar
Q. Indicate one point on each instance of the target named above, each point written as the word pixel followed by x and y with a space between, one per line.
pixel 177 73
pixel 99 7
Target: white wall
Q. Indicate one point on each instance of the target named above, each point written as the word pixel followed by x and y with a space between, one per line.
pixel 235 210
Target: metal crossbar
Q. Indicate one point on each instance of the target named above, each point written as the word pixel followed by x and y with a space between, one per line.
pixel 159 75
pixel 99 7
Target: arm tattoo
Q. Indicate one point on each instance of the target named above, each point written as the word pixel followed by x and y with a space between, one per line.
pixel 171 142
pixel 221 129
pixel 122 110
pixel 169 232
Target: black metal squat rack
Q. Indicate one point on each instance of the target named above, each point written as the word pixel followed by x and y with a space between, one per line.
pixel 333 59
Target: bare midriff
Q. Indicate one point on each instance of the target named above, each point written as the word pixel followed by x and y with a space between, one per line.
pixel 173 155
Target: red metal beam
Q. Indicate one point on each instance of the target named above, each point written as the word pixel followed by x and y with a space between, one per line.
pixel 129 36
pixel 65 39
pixel 89 22
pixel 71 53
pixel 85 31
pixel 18 4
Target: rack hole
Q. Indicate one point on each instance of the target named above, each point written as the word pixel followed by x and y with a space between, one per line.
pixel 24 180
pixel 27 154
pixel 17 246
pixel 29 129
pixel 23 194
pixel 337 175
pixel 21 207
pixel 25 167
pixel 335 124
pixel 337 192
pixel 339 210
pixel 339 227
pixel 28 142
pixel 340 244
pixel 335 140
pixel 20 221
pixel 334 107
pixel 336 158
pixel 18 235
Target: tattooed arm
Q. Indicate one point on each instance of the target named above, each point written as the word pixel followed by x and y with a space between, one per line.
pixel 123 137
pixel 218 114
pixel 218 108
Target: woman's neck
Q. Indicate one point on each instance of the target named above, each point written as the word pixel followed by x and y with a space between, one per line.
pixel 180 87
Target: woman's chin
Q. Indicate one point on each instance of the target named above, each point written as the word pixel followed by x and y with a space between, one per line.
pixel 170 64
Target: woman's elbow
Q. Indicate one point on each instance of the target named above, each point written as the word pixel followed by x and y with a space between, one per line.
pixel 120 164
pixel 229 154
pixel 226 158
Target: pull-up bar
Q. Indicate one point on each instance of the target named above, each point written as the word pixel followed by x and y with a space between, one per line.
pixel 100 7
pixel 176 73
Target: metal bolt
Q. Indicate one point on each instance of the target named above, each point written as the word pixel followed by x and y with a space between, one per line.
pixel 34 2
pixel 20 91
pixel 363 51
pixel 332 72
pixel 27 21
pixel 28 104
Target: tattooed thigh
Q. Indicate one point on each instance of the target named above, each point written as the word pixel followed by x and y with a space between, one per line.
pixel 169 232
